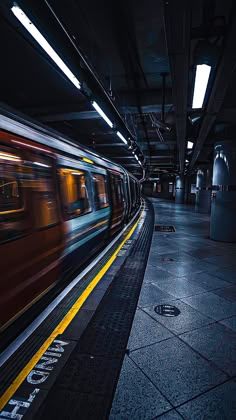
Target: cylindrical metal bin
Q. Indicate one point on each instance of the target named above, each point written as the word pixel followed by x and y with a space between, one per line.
pixel 203 191
pixel 179 190
pixel 223 199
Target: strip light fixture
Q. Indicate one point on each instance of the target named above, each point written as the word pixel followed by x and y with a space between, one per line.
pixel 190 145
pixel 84 159
pixel 103 115
pixel 136 157
pixel 8 156
pixel 121 137
pixel 200 84
pixel 41 164
pixel 31 28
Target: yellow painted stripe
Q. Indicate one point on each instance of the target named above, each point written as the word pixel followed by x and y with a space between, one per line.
pixel 61 326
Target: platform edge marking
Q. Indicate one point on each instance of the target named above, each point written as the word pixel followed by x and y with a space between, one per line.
pixel 60 328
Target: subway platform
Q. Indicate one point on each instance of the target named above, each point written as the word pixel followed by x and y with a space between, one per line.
pixel 181 354
pixel 149 332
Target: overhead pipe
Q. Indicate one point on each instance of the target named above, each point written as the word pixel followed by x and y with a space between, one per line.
pixel 163 75
pixel 177 19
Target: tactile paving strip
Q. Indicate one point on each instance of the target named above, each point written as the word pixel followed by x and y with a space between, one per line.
pixel 88 380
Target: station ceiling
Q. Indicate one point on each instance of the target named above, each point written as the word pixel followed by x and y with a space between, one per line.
pixel 137 59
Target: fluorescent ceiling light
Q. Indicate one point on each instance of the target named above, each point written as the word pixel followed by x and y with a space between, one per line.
pixel 26 22
pixel 136 157
pixel 186 160
pixel 200 85
pixel 87 160
pixel 41 164
pixel 195 119
pixel 8 156
pixel 190 145
pixel 100 111
pixel 121 137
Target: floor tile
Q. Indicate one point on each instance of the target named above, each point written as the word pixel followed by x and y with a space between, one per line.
pixel 187 320
pixel 162 249
pixel 212 305
pixel 208 281
pixel 182 256
pixel 217 343
pixel 152 295
pixel 217 404
pixel 227 275
pixel 179 287
pixel 230 323
pixel 176 370
pixel 222 260
pixel 136 397
pixel 152 274
pixel 202 252
pixel 171 415
pixel 180 268
pixel 228 293
pixel 146 331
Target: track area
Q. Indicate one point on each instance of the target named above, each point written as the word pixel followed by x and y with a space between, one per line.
pixel 92 356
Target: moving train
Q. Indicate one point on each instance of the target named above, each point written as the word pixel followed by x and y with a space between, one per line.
pixel 59 204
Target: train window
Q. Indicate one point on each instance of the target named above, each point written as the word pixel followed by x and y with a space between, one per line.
pixel 137 193
pixel 44 196
pixel 117 190
pixel 120 190
pixel 12 215
pixel 133 195
pixel 100 191
pixel 74 190
pixel 113 191
pixel 10 196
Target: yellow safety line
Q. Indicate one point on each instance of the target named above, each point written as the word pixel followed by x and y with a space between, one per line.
pixel 61 326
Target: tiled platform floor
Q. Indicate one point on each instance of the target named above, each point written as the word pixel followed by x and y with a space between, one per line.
pixel 183 366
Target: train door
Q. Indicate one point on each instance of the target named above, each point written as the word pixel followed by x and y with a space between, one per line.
pixel 48 231
pixel 15 230
pixel 86 211
pixel 118 201
pixel 30 236
pixel 126 196
pixel 133 195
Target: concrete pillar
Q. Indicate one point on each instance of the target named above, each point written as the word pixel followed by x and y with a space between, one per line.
pixel 179 190
pixel 223 201
pixel 203 191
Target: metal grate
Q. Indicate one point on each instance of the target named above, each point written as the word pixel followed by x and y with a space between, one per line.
pixel 167 310
pixel 161 228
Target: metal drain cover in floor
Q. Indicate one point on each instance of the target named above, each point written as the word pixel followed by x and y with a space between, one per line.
pixel 167 310
pixel 161 228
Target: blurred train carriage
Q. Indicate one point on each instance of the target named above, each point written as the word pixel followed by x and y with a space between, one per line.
pixel 59 204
